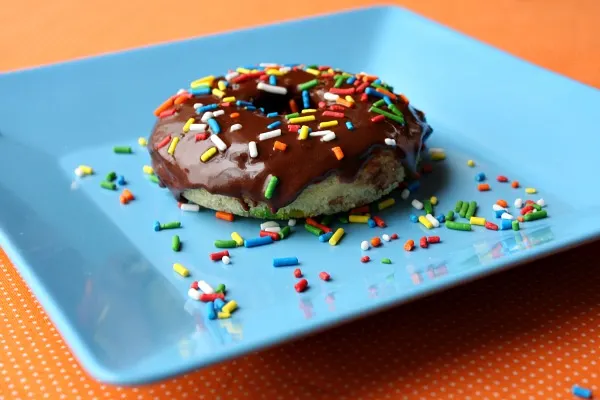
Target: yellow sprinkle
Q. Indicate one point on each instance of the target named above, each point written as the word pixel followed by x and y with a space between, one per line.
pixel 301 119
pixel 477 221
pixel 205 81
pixel 358 219
pixel 438 156
pixel 309 111
pixel 181 270
pixel 471 163
pixel 238 239
pixel 349 99
pixel 425 222
pixel 337 236
pixel 148 170
pixel 218 93
pixel 330 71
pixel 433 200
pixel 313 71
pixel 530 191
pixel 303 133
pixel 222 85
pixel 386 203
pixel 208 154
pixel 230 307
pixel 229 99
pixel 243 70
pixel 186 126
pixel 173 144
pixel 86 169
pixel 275 72
pixel 223 315
pixel 142 141
pixel 327 124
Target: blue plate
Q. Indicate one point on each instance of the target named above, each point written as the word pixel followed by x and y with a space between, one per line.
pixel 105 277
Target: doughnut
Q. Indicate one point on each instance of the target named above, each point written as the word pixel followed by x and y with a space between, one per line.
pixel 286 141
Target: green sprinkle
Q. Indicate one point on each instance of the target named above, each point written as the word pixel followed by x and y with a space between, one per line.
pixel 271 187
pixel 153 178
pixel 313 229
pixel 176 243
pixel 346 75
pixel 395 110
pixel 377 85
pixel 308 85
pixel 463 209
pixel 339 81
pixel 292 115
pixel 108 185
pixel 471 210
pixel 387 87
pixel 428 207
pixel 450 216
pixel 535 215
pixel 343 219
pixel 122 149
pixel 458 226
pixel 312 66
pixel 225 244
pixel 285 232
pixel 386 114
pixel 515 226
pixel 327 220
pixel 379 103
pixel 171 225
pixel 220 288
pixel 458 206
pixel 111 176
pixel 537 207
pixel 386 261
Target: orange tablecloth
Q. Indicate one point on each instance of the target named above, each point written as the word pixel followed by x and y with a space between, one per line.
pixel 528 333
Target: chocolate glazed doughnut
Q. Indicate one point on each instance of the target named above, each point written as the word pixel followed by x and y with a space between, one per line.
pixel 285 141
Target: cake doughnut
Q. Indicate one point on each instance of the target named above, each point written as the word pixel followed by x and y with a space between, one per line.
pixel 285 141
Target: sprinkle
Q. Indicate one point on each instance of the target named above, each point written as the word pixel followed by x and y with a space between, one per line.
pixel 314 223
pixel 225 216
pixel 450 215
pixel 417 204
pixel 214 126
pixel 328 137
pixel 294 128
pixel 535 215
pixel 308 85
pixel 425 222
pixel 309 111
pixel 386 237
pixel 364 245
pixel 122 149
pixel 271 89
pixel 189 207
pixel 541 203
pixel 121 181
pixel 181 270
pixel 313 229
pixel 330 96
pixel 87 170
pixel 298 273
pixel 274 125
pixel 279 146
pixel 390 142
pixel 362 87
pixel 204 80
pixel 196 127
pixel 324 276
pixel 491 226
pixel 303 133
pixel 378 118
pixel 269 135
pixel 206 116
pixel 471 210
pixel 433 200
pixel 471 163
pixel 285 261
pixel 386 261
pixel 380 223
pixel 337 236
pixel 271 187
pixel 333 114
pixel 477 221
pixel 252 149
pixel 235 127
pixel 225 244
pixel 218 142
pixel 320 133
pixel 345 103
pixel 305 99
pixel 339 154
pixel 404 194
pixel 325 237
pixel 293 105
pixel 171 149
pixel 108 185
pixel 365 259
pixel 530 191
pixel 502 178
pixel 409 245
pixel 432 220
pixel 297 120
pixel 202 136
pixel 514 184
pixel 349 126
pixel 268 224
pixel 423 242
pixel 259 241
pixel 480 177
pixel 301 285
pixel 371 223
pixel 458 226
pixel 358 219
pixel 197 105
pixel 515 226
pixel 463 209
pixel 582 392
pixel 342 91
pixel 234 115
pixel 483 187
pixel 438 156
pixel 388 115
pixel 217 92
pixel 208 154
pixel 292 222
pixel 312 71
pixel 154 178
pixel 386 203
pixel 176 243
pixel 208 107
pixel 506 215
pixel 142 141
pixel 218 113
pixel 229 99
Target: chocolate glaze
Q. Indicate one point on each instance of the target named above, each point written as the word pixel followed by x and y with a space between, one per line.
pixel 233 173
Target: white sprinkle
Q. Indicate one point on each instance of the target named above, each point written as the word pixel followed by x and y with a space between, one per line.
pixel 181 91
pixel 364 245
pixel 541 203
pixel 506 216
pixel 328 138
pixel 292 222
pixel 267 65
pixel 319 133
pixel 226 260
pixel 404 194
pixel 275 229
pixel 207 115
pixel 519 203
pixel 79 172
pixel 285 70
pixel 235 127
pixel 417 204
pixel 231 75
pixel 198 127
pixel 253 150
pixel 205 287
pixel 218 142
pixel 194 294
pixel 269 134
pixel 218 113
pixel 268 224
pixel 433 220
pixel 386 237
pixel 496 207
pixel 331 96
pixel 436 150
pixel 271 88
pixel 189 207
pixel 390 142
pixel 197 105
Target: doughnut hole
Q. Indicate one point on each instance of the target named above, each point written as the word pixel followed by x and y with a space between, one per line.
pixel 280 104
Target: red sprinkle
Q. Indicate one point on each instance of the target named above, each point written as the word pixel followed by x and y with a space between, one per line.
pixel 394 236
pixel 194 285
pixel 264 78
pixel 364 97
pixel 201 136
pixel 166 113
pixel 314 223
pixel 427 168
pixel 365 259
pixel 377 118
pixel 423 242
pixel 294 128
pixel 225 104
pixel 360 210
pixel 324 67
pixel 491 226
pixel 274 235
pixel 219 255
pixel 380 223
pixel 336 107
pixel 333 114
pixel 433 239
pixel 322 104
pixel 205 297
pixel 326 75
pixel 163 142
pixel 342 91
pixel 502 178
pixel 298 273
pixel 325 276
pixel 245 77
pixel 515 184
pixel 526 210
pixel 529 202
pixel 357 82
pixel 301 285
pixel 362 87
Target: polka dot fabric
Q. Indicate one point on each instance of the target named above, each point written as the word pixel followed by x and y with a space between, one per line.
pixel 529 333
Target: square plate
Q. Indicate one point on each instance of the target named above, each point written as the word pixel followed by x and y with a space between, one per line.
pixel 104 276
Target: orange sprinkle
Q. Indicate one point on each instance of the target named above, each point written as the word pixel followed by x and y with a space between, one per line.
pixel 483 187
pixel 339 154
pixel 367 78
pixel 387 93
pixel 225 216
pixel 344 103
pixel 403 98
pixel 502 203
pixel 409 245
pixel 375 242
pixel 234 115
pixel 168 103
pixel 293 106
pixel 515 184
pixel 520 218
pixel 279 146
pixel 182 98
pixel 127 194
pixel 123 200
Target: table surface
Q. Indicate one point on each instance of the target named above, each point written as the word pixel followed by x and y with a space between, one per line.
pixel 531 332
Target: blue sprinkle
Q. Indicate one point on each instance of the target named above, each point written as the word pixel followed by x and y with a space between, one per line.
pixel 272 80
pixel 200 90
pixel 414 185
pixel 414 218
pixel 505 224
pixel 242 103
pixel 251 67
pixel 579 391
pixel 387 100
pixel 259 241
pixel 205 108
pixel 499 213
pixel 214 126
pixel 441 218
pixel 305 99
pixel 262 110
pixel 350 80
pixel 210 310
pixel 377 81
pixel 272 115
pixel 290 65
pixel 372 92
pixel 285 261
pixel 156 226
pixel 274 125
pixel 121 180
pixel 480 177
pixel 371 223
pixel 250 108
pixel 349 126
pixel 225 83
pixel 325 237
pixel 219 304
